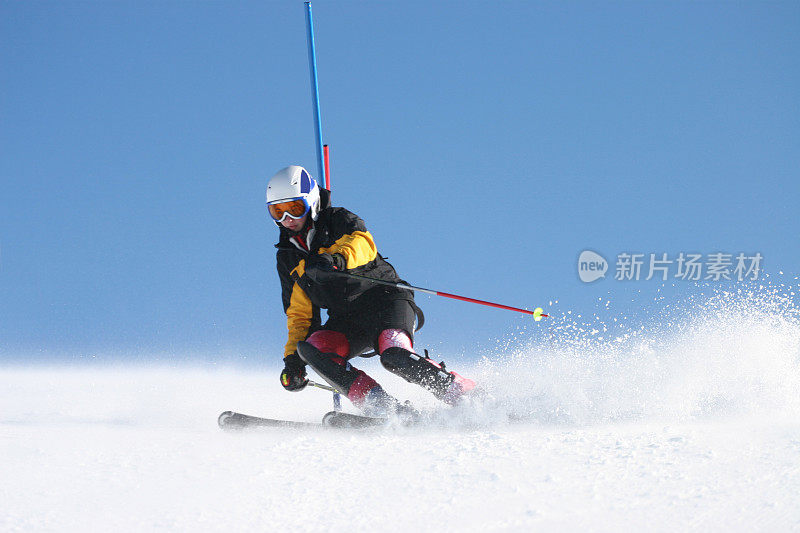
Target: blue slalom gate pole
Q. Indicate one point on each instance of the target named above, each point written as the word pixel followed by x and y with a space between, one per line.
pixel 322 167
pixel 312 63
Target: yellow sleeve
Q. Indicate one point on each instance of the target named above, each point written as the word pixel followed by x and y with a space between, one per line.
pixel 298 315
pixel 357 248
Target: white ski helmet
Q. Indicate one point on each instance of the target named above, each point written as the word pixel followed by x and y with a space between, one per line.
pixel 294 183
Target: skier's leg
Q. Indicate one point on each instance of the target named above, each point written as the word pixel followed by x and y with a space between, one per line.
pixel 326 352
pixel 397 356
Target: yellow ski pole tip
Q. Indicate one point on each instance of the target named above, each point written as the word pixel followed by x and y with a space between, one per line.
pixel 538 313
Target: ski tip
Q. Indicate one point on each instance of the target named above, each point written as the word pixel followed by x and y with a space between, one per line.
pixel 327 419
pixel 223 418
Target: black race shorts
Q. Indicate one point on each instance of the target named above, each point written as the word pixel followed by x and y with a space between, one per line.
pixel 363 326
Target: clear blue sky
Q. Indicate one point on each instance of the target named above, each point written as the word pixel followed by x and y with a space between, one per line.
pixel 486 144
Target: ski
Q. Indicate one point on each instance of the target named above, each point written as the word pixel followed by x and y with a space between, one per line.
pixel 338 419
pixel 333 419
pixel 233 420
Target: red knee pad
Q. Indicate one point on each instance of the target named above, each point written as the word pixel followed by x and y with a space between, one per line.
pixel 394 338
pixel 327 341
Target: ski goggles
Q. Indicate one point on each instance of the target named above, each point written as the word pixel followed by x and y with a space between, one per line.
pixel 295 208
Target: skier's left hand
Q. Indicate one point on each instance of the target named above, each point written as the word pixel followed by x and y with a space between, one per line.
pixel 321 268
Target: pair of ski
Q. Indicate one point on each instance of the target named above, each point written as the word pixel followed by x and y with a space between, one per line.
pixel 332 419
pixel 412 367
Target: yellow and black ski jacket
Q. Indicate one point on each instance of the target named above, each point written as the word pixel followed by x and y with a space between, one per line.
pixel 336 231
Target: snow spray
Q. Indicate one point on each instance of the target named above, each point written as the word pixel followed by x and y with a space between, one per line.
pixel 718 354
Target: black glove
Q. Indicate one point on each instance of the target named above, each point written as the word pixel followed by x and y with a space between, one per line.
pixel 321 268
pixel 293 377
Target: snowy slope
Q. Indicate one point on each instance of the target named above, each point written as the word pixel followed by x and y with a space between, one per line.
pixel 694 431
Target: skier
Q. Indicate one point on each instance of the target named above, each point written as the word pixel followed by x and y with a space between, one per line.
pixel 317 243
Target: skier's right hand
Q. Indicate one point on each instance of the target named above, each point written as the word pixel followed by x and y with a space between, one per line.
pixel 321 268
pixel 293 377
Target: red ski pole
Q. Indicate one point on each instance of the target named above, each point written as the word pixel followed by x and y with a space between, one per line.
pixel 537 313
